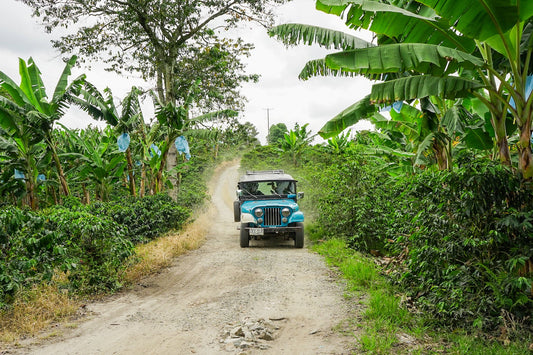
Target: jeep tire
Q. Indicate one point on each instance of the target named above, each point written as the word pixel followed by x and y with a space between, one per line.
pixel 245 236
pixel 299 236
pixel 237 211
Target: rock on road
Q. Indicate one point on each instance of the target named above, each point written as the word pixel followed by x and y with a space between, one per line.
pixel 219 299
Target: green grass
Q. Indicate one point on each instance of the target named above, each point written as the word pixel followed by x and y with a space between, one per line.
pixel 388 328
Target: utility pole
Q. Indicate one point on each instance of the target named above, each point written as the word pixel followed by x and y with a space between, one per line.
pixel 268 121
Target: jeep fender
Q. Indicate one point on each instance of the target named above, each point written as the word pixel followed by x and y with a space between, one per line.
pixel 247 218
pixel 297 216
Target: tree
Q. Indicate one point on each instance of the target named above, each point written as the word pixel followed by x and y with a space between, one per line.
pixel 30 102
pixel 174 43
pixel 486 26
pixel 238 134
pixel 219 72
pixel 101 106
pixel 20 150
pixel 277 133
pixel 296 141
pixel 151 37
pixel 99 164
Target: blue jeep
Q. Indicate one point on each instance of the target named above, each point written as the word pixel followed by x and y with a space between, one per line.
pixel 267 207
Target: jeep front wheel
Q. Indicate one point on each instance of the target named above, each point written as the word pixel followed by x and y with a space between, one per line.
pixel 299 236
pixel 245 236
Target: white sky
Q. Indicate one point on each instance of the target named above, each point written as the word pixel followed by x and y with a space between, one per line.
pixel 288 99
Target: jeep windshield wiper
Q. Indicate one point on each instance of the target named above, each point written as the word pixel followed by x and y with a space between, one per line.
pixel 275 193
pixel 249 193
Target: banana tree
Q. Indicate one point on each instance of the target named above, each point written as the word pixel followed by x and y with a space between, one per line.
pixel 493 26
pixel 20 151
pixel 338 144
pixel 99 164
pixel 391 62
pixel 174 121
pixel 33 105
pixel 296 141
pixel 101 106
pixel 483 25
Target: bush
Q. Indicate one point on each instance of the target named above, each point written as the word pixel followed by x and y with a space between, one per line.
pixel 94 249
pixel 88 243
pixel 144 218
pixel 471 234
pixel 460 238
pixel 26 251
pixel 35 246
pixel 356 202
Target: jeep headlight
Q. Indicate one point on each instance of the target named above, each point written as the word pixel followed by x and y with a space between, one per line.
pixel 285 212
pixel 258 212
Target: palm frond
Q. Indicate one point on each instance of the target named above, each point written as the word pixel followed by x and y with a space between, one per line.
pixel 350 116
pixel 420 86
pixel 318 67
pixel 397 23
pixel 293 34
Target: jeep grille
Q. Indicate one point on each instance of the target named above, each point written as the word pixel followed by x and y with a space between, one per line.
pixel 272 216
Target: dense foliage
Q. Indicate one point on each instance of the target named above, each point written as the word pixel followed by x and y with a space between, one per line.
pixel 458 243
pixel 87 246
pixel 469 241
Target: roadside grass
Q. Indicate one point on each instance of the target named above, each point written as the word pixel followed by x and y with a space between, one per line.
pixel 34 310
pixel 158 254
pixel 389 328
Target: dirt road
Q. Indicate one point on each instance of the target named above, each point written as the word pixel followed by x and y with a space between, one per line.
pixel 267 299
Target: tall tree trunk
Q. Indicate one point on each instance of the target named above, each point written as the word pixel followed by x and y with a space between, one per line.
pixel 59 168
pixel 500 131
pixel 440 155
pixel 52 191
pixel 142 184
pixel 30 190
pixel 86 195
pixel 130 172
pixel 525 156
pixel 61 175
pixel 164 155
pixel 171 164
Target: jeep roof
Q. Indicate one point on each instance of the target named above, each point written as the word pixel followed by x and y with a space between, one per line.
pixel 266 175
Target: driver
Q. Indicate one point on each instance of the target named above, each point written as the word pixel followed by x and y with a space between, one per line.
pixel 253 188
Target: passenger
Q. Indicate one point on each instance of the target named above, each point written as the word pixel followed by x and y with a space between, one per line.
pixel 283 188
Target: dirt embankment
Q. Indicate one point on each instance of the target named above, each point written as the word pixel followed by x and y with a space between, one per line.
pixel 267 299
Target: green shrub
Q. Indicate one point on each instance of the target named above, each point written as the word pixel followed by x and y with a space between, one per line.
pixel 459 238
pixel 144 218
pixel 471 233
pixel 355 201
pixel 34 246
pixel 95 248
pixel 26 251
pixel 263 158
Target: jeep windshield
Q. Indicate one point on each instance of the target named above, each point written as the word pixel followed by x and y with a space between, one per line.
pixel 267 189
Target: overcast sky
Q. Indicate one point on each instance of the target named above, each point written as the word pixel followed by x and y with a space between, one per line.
pixel 288 99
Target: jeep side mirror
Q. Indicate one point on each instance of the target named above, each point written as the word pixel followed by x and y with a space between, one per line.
pixel 300 195
pixel 239 193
